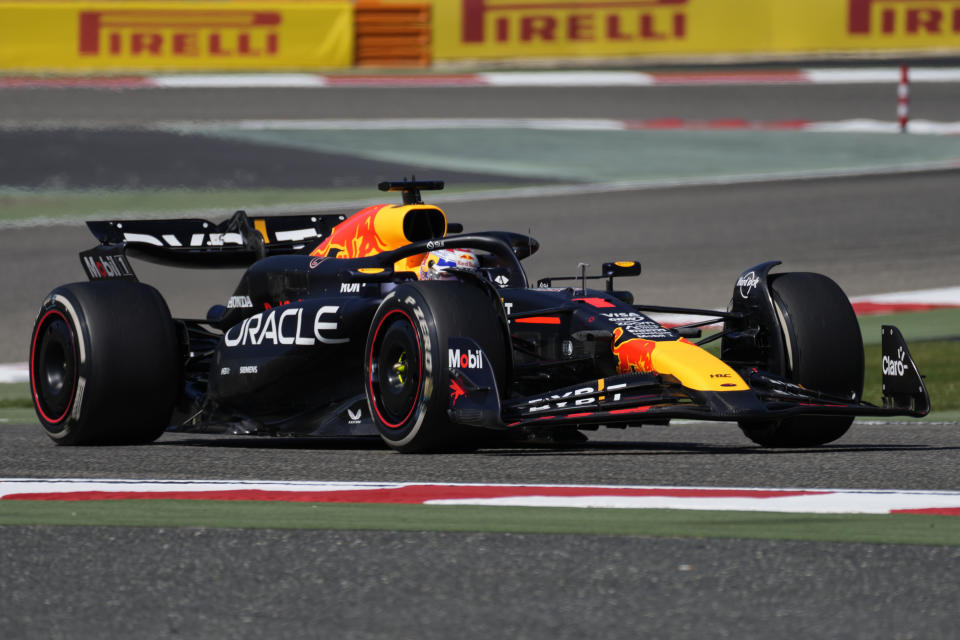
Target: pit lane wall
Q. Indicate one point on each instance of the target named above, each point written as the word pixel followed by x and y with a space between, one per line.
pixel 41 36
pixel 492 29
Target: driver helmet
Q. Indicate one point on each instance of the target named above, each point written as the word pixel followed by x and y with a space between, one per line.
pixel 436 263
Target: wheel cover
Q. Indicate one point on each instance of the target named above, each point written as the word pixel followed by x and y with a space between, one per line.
pixel 53 366
pixel 395 369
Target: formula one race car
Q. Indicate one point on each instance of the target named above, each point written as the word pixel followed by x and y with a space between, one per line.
pixel 333 331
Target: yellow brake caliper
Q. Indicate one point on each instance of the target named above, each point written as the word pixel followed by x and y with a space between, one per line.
pixel 400 368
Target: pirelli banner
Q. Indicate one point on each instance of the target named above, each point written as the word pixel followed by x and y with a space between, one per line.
pixel 477 29
pixel 175 36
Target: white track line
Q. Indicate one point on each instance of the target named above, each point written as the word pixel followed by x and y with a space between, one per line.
pixel 567 79
pixel 840 502
pixel 853 125
pixel 867 125
pixel 882 75
pixel 14 372
pixel 949 296
pixel 547 124
pixel 240 81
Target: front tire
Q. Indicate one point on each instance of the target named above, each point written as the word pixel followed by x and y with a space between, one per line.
pixel 105 365
pixel 824 352
pixel 405 373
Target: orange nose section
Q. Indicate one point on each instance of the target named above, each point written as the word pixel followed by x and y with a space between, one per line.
pixel 691 365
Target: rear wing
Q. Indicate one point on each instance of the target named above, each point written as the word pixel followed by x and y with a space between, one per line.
pixel 193 242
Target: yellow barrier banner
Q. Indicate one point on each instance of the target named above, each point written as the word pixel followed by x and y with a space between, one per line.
pixel 175 36
pixel 479 29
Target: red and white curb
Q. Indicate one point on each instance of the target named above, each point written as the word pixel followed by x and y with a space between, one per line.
pixel 581 496
pixel 902 301
pixel 879 75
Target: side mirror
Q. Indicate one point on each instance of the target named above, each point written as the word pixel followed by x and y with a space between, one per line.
pixel 621 269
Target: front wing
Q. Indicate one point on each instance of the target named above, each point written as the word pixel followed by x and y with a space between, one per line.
pixel 636 398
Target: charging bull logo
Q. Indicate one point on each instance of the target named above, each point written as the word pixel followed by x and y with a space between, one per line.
pixel 634 355
pixel 355 238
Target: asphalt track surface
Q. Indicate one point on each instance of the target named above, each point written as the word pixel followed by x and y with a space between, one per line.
pixel 811 102
pixel 137 159
pixel 872 234
pixel 198 583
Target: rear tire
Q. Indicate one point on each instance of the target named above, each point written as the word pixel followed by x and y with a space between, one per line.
pixel 824 352
pixel 405 362
pixel 105 364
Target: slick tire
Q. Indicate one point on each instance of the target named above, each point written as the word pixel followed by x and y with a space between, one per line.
pixel 105 364
pixel 405 361
pixel 824 351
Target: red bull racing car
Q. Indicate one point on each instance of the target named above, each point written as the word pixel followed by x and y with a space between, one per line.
pixel 336 329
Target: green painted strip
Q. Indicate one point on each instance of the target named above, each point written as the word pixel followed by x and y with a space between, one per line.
pixel 15 395
pixel 938 324
pixel 18 416
pixel 899 529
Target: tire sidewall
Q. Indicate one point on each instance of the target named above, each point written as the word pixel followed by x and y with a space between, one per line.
pixel 61 303
pixel 404 304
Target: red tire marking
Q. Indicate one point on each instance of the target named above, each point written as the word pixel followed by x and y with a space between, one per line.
pixel 33 355
pixel 419 368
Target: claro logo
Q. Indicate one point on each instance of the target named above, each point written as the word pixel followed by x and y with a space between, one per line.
pixel 578 21
pixel 179 33
pixel 910 17
pixel 895 366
